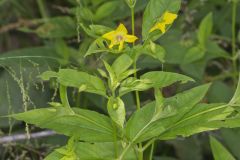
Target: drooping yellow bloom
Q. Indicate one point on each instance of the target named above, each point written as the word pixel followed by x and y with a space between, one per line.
pixel 167 19
pixel 119 36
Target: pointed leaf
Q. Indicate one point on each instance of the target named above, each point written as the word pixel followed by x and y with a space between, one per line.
pixel 84 124
pixel 219 151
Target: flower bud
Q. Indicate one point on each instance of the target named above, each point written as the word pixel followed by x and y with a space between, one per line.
pixel 131 3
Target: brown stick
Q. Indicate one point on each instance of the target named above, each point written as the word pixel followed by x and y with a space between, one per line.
pixel 20 23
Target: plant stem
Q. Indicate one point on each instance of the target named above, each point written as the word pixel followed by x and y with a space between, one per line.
pixel 124 151
pixel 115 139
pixel 140 154
pixel 148 144
pixel 151 152
pixel 234 52
pixel 42 9
pixel 64 97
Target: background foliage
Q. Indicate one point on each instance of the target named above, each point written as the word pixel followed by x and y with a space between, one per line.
pixel 40 35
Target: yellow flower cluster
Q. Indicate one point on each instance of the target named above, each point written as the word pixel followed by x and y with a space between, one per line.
pixel 120 35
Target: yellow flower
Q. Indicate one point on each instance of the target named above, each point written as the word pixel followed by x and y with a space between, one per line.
pixel 119 36
pixel 166 19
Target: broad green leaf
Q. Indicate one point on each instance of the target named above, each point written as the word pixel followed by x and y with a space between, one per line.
pixel 121 64
pixel 155 79
pixel 215 51
pixel 85 125
pixel 154 10
pixel 112 80
pixel 196 69
pixel 193 54
pixel 32 56
pixel 142 125
pixel 106 10
pixel 132 84
pixel 160 79
pixel 156 51
pixel 96 151
pixel 219 151
pixel 46 76
pixel 126 74
pixel 159 101
pixel 205 30
pixel 116 110
pixel 220 87
pixel 95 30
pixel 96 47
pixel 73 78
pixel 100 29
pixel 229 136
pixel 203 117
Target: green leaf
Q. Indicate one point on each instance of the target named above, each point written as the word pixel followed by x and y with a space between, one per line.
pixel 160 79
pixel 32 56
pixel 215 51
pixel 143 125
pixel 112 80
pixel 84 124
pixel 121 64
pixel 154 10
pixel 96 47
pixel 132 84
pixel 219 151
pixel 193 54
pixel 95 30
pixel 73 78
pixel 229 136
pixel 159 101
pixel 156 51
pixel 46 76
pixel 220 87
pixel 116 110
pixel 205 30
pixel 203 117
pixel 96 151
pixel 105 10
pixel 100 29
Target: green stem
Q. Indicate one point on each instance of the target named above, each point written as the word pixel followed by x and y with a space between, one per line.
pixel 64 97
pixel 124 151
pixel 148 144
pixel 234 52
pixel 140 154
pixel 151 152
pixel 42 9
pixel 133 20
pixel 115 139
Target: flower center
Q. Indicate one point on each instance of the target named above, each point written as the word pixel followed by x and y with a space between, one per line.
pixel 119 38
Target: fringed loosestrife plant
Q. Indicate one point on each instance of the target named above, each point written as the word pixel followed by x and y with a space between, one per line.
pixel 115 135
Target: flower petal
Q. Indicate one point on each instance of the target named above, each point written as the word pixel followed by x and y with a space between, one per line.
pixel 120 45
pixel 161 26
pixel 111 45
pixel 122 28
pixel 109 35
pixel 130 38
pixel 168 17
pixel 155 27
